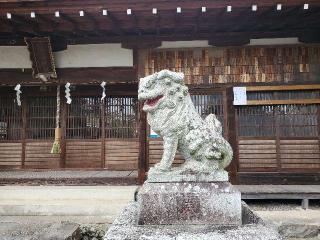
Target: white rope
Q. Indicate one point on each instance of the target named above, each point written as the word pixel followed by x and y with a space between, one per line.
pixel 67 91
pixel 17 89
pixel 103 85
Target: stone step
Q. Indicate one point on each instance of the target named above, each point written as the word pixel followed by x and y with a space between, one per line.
pixel 61 231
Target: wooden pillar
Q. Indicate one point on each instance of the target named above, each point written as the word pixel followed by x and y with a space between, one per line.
pixel 24 109
pixel 143 163
pixel 277 126
pixel 103 133
pixel 231 129
pixel 63 123
pixel 140 50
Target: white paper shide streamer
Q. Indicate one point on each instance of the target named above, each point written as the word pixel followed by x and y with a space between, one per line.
pixel 17 89
pixel 67 91
pixel 103 85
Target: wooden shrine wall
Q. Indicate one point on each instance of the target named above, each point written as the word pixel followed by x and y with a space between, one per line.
pixel 96 134
pixel 270 138
pixel 252 64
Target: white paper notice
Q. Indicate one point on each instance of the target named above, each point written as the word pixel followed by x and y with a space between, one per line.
pixel 239 96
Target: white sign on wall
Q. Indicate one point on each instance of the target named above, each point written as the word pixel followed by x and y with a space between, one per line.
pixel 239 96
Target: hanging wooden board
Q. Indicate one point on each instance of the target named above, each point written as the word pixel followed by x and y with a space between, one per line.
pixel 41 57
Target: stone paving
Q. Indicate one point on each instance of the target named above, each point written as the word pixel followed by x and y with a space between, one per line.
pixel 99 205
pixel 68 177
pixel 66 174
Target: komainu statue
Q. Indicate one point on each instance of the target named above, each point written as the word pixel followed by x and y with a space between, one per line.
pixel 172 115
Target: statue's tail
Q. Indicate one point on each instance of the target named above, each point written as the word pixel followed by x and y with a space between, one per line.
pixel 227 154
pixel 214 124
pixel 224 147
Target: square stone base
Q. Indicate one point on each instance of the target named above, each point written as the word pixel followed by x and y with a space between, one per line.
pixel 184 203
pixel 126 227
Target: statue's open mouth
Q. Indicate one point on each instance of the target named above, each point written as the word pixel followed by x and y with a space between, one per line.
pixel 152 102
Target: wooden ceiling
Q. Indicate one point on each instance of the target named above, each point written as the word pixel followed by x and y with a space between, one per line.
pixel 198 19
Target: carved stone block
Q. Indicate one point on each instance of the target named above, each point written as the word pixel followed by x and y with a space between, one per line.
pixel 189 203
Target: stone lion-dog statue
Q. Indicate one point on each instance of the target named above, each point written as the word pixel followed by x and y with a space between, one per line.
pixel 172 115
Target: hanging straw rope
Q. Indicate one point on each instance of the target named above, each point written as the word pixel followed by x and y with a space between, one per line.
pixel 57 134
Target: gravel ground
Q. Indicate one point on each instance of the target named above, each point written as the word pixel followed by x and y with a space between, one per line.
pixel 279 205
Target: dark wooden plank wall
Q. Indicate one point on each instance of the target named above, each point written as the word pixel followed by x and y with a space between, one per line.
pixel 83 154
pixel 255 154
pixel 38 156
pixel 156 150
pixel 122 154
pixel 10 155
pixel 234 65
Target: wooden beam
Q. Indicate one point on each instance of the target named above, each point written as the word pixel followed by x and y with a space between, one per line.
pixel 72 6
pixel 47 20
pixel 75 26
pixel 22 21
pixel 222 42
pixel 11 77
pixel 95 23
pixel 115 23
pixel 181 36
pixel 141 45
pixel 198 21
pixel 282 102
pixel 19 28
pixel 282 88
pixel 157 25
pixel 136 24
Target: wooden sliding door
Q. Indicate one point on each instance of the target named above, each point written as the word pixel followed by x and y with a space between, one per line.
pixel 279 134
pixel 102 133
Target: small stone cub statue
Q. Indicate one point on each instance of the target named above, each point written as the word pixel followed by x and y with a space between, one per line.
pixel 172 115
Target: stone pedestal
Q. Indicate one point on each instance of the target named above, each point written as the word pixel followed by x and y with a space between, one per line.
pixel 193 203
pixel 188 210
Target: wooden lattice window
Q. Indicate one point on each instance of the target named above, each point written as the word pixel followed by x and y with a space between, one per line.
pixel 206 104
pixel 256 121
pixel 84 118
pixel 283 120
pixel 41 115
pixel 121 117
pixel 10 119
pixel 298 120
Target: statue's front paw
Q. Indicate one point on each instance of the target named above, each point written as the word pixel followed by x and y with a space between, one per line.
pixel 162 167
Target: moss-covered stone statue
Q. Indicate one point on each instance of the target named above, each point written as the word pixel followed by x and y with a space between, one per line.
pixel 172 115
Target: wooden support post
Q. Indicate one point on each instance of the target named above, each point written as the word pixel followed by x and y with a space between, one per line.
pixel 63 123
pixel 143 165
pixel 24 131
pixel 277 126
pixel 103 133
pixel 232 135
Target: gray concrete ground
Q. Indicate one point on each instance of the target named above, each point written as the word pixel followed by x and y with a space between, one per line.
pixel 65 174
pixel 29 212
pixel 291 220
pixel 35 207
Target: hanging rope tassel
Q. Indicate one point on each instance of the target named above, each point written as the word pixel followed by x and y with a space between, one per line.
pixel 103 85
pixel 18 90
pixel 57 133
